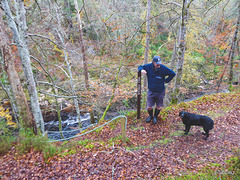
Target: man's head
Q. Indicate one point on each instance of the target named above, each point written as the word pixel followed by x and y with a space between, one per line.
pixel 157 61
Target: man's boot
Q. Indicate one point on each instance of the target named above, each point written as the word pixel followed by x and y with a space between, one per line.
pixel 150 112
pixel 156 113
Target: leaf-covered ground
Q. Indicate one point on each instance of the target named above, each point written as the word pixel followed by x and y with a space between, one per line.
pixel 151 152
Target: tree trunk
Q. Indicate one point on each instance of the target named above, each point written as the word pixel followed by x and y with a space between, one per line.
pixel 19 29
pixel 68 15
pixel 234 45
pixel 147 39
pixel 82 45
pixel 230 55
pixel 113 93
pixel 23 112
pixel 8 89
pixel 181 51
pixel 25 115
pixel 75 101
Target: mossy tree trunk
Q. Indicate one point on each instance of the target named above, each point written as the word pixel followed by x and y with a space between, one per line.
pixel 19 30
pixel 181 51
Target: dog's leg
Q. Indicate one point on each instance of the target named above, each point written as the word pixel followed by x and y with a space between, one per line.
pixel 206 133
pixel 187 128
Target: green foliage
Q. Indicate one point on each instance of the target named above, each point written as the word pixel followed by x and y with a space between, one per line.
pixel 140 50
pixel 162 141
pixel 212 172
pixel 163 52
pixel 7 130
pixel 144 99
pixel 207 99
pixel 49 150
pixel 183 105
pixel 234 163
pixel 98 131
pixel 6 142
pixel 125 102
pixel 209 175
pixel 137 128
pixel 85 143
pixel 131 114
pixel 68 152
pixel 191 77
pixel 230 88
pixel 176 133
pixel 164 112
pixel 158 47
pixel 27 141
pixel 116 140
pixel 113 125
pixel 90 146
pixel 6 119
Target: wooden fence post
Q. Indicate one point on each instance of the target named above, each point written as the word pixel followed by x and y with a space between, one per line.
pixel 123 128
pixel 139 95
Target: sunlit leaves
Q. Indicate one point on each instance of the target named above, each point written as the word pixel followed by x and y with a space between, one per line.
pixel 4 114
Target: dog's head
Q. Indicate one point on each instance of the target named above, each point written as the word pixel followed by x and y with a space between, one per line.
pixel 183 114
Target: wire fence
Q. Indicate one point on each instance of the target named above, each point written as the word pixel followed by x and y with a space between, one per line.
pixel 79 135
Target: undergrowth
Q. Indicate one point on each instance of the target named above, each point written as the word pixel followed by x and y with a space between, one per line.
pixel 7 131
pixel 214 172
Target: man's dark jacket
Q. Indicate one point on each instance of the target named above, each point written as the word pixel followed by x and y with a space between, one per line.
pixel 157 77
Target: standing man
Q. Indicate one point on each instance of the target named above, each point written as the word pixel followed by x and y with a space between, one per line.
pixel 157 75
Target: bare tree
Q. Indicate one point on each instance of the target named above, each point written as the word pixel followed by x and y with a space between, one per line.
pixel 181 50
pixel 82 44
pixel 19 30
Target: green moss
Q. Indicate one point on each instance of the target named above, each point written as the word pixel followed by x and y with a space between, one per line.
pixel 164 141
pixel 176 133
pixel 90 146
pixel 230 88
pixel 137 128
pixel 113 125
pixel 184 105
pixel 68 152
pixel 84 142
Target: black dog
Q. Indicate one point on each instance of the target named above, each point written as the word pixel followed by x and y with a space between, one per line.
pixel 190 119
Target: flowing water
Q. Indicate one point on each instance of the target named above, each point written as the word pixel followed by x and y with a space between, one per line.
pixel 70 127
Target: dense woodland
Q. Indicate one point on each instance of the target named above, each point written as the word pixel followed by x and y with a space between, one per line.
pixel 81 56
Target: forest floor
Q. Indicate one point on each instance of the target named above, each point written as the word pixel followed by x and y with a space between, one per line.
pixel 151 151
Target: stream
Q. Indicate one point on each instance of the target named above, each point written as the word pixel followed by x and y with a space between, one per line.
pixel 70 127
